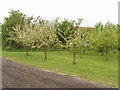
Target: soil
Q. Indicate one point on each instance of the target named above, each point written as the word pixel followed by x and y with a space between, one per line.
pixel 18 75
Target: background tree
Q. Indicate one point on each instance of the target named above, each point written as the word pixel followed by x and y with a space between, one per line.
pixel 15 18
pixel 67 27
pixel 107 38
pixel 99 27
pixel 88 35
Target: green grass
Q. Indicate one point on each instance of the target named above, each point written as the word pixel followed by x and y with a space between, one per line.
pixel 92 65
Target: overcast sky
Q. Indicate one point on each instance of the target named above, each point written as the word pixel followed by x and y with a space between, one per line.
pixel 91 11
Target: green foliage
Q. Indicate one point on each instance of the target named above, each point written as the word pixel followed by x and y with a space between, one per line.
pixel 21 31
pixel 106 37
pixel 37 36
pixel 69 27
pixel 45 37
pixel 76 40
pixel 82 39
pixel 15 18
pixel 24 36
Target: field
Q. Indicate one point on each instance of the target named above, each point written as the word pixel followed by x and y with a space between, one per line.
pixel 91 67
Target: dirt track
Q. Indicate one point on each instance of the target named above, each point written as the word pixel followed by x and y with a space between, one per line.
pixel 17 75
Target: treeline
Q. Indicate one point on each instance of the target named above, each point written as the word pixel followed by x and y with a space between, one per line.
pixel 20 31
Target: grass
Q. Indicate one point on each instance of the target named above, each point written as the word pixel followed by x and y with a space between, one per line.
pixel 92 65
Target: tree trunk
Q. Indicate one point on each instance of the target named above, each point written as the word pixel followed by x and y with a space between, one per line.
pixel 74 58
pixel 102 53
pixel 106 56
pixel 27 53
pixel 83 52
pixel 45 54
pixel 81 56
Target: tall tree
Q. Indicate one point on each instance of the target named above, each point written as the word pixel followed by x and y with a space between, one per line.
pixel 67 27
pixel 15 18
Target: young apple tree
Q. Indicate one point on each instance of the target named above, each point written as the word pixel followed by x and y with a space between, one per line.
pixel 98 28
pixel 45 37
pixel 78 41
pixel 24 36
pixel 107 38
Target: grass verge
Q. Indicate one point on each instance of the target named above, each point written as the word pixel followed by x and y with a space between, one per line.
pixel 91 67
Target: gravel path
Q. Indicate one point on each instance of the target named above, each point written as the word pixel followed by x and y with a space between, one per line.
pixel 17 75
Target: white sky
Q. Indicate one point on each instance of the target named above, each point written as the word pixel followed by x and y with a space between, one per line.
pixel 91 11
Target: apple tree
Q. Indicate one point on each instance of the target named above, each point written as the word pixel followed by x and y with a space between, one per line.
pixel 78 41
pixel 24 36
pixel 45 37
pixel 107 38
